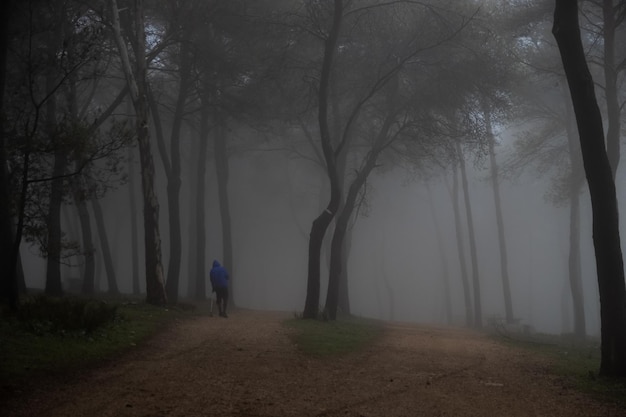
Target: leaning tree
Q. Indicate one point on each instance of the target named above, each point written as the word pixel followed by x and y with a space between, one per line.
pixel 606 237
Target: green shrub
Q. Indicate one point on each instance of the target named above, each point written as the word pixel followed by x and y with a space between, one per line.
pixel 55 336
pixel 43 314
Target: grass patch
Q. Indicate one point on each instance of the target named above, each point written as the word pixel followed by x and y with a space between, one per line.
pixel 577 362
pixel 327 338
pixel 53 336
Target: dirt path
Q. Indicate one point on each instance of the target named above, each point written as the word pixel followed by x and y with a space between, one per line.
pixel 247 366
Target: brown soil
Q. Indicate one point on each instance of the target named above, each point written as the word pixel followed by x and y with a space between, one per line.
pixel 247 365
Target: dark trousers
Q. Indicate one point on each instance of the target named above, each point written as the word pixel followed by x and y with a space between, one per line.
pixel 221 294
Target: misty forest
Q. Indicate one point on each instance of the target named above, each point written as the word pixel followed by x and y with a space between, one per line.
pixel 443 162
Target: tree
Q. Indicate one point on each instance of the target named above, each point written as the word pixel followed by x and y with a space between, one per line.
pixel 203 138
pixel 366 117
pixel 549 144
pixel 234 48
pixel 467 296
pixel 321 223
pixel 612 15
pixel 53 221
pixel 477 320
pixel 134 238
pixel 105 248
pixel 576 182
pixel 8 251
pixel 495 182
pixel 382 141
pixel 445 274
pixel 40 127
pixel 172 163
pixel 137 83
pixel 606 238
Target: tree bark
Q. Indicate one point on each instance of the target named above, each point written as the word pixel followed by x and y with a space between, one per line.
pixel 136 79
pixel 343 300
pixel 221 169
pixel 574 266
pixel 53 220
pixel 504 263
pixel 200 196
pixel 344 290
pixel 134 238
pixel 345 213
pixel 104 246
pixel 478 321
pixel 321 223
pixel 611 89
pixel 192 223
pixel 336 246
pixel 577 180
pixel 87 238
pixel 174 180
pixel 606 238
pixel 445 275
pixel 8 258
pixel 460 239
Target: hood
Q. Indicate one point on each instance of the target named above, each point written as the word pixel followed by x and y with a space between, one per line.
pixel 216 264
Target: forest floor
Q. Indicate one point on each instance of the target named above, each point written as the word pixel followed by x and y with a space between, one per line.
pixel 247 365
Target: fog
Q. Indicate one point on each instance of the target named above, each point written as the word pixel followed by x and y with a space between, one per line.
pixel 395 266
pixel 268 88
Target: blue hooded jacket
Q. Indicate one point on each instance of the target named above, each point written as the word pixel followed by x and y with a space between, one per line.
pixel 219 275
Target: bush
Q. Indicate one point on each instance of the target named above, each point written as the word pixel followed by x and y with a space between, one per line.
pixel 43 314
pixel 53 336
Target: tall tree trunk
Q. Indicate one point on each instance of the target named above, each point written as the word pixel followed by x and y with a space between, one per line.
pixel 192 224
pixel 478 320
pixel 200 198
pixel 155 289
pixel 444 261
pixel 87 238
pixel 577 180
pixel 221 170
pixel 104 246
pixel 343 300
pixel 575 273
pixel 388 287
pixel 137 83
pixel 8 258
pixel 460 239
pixel 342 220
pixel 174 180
pixel 344 291
pixel 606 239
pixel 173 198
pixel 53 219
pixel 336 246
pixel 321 223
pixel 495 182
pixel 80 195
pixel 611 89
pixel 134 238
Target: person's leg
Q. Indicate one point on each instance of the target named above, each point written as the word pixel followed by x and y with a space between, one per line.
pixel 225 301
pixel 220 299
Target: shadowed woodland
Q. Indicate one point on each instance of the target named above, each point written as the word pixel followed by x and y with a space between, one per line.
pixel 439 162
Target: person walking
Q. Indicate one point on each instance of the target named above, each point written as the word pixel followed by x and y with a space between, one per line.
pixel 219 284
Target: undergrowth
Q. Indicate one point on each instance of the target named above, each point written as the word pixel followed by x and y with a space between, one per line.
pixel 576 362
pixel 324 338
pixel 50 335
